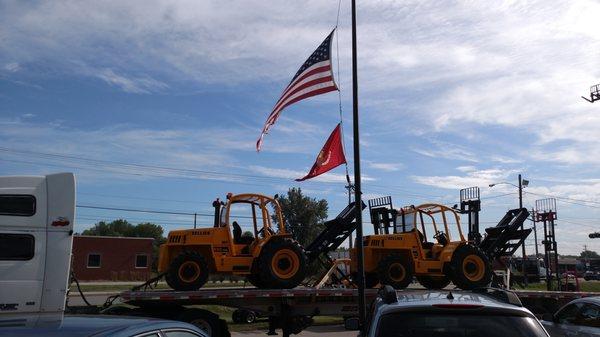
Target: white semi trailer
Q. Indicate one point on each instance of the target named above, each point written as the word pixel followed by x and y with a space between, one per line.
pixel 36 228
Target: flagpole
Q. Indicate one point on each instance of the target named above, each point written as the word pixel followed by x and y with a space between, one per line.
pixel 357 187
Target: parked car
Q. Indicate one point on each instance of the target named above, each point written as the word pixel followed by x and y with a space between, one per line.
pixel 96 326
pixel 486 313
pixel 591 275
pixel 580 317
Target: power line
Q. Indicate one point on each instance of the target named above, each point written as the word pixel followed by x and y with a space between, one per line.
pixel 143 198
pixel 160 171
pixel 122 209
pixel 564 198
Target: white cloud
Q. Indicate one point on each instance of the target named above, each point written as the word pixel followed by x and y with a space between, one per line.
pixel 481 178
pixel 12 67
pixel 136 85
pixel 387 167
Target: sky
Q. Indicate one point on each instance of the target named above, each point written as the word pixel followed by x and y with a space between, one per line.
pixel 157 105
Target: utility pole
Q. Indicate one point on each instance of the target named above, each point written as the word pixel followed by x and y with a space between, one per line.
pixel 357 189
pixel 537 253
pixel 524 259
pixel 350 188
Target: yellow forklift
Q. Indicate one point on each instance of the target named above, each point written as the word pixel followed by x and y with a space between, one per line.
pixel 269 258
pixel 401 248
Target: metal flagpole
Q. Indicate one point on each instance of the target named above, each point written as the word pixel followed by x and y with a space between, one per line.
pixel 357 187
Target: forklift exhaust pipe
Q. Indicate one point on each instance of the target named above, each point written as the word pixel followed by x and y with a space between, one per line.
pixel 217 205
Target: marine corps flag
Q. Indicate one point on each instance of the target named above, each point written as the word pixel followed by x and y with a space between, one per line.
pixel 330 157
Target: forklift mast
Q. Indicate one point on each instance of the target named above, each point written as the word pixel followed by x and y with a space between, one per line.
pixel 335 233
pixel 506 237
pixel 383 215
pixel 470 204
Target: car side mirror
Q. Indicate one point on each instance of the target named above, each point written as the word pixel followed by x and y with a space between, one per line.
pixel 352 323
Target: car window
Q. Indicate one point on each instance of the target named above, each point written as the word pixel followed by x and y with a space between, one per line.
pixel 568 314
pixel 589 315
pixel 403 324
pixel 153 334
pixel 180 333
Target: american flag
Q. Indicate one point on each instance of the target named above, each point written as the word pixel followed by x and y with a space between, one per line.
pixel 315 77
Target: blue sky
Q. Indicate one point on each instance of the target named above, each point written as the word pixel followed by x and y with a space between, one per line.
pixel 452 96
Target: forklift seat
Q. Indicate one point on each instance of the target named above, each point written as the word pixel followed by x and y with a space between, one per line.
pixel 237 235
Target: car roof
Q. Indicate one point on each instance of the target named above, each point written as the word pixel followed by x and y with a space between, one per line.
pixel 427 299
pixel 98 326
pixel 591 299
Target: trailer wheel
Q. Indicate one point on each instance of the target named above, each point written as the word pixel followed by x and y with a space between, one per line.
pixel 396 271
pixel 188 271
pixel 249 316
pixel 281 264
pixel 433 282
pixel 470 268
pixel 206 321
pixel 236 316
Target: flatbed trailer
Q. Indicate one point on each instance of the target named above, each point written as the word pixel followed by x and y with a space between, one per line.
pixel 291 310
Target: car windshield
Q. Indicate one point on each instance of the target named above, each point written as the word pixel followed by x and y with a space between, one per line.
pixel 427 324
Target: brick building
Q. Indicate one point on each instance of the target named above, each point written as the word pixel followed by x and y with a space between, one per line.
pixel 108 258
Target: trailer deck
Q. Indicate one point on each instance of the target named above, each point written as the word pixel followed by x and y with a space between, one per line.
pixel 291 309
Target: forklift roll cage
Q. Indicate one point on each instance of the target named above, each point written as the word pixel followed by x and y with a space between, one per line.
pixel 384 218
pixel 223 212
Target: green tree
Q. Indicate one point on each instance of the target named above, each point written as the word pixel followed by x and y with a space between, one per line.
pixel 589 254
pixel 117 227
pixel 304 216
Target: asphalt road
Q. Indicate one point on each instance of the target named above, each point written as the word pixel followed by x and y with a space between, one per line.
pixel 313 331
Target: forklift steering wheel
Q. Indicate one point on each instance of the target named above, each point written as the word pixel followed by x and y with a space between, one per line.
pixel 262 231
pixel 441 238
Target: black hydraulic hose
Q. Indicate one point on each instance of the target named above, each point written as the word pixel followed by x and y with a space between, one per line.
pixel 74 279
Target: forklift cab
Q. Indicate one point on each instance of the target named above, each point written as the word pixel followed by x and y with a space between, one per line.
pixel 250 212
pixel 432 224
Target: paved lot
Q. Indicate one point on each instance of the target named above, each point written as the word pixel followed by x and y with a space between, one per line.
pixel 313 331
pixel 95 298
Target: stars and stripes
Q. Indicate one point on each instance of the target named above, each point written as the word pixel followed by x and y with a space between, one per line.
pixel 315 77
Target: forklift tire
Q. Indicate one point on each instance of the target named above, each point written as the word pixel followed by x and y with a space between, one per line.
pixel 281 265
pixel 395 270
pixel 434 282
pixel 470 268
pixel 188 271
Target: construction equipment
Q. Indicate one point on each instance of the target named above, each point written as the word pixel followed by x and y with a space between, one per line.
pixel 506 237
pixel 336 231
pixel 401 248
pixel 269 258
pixel 594 94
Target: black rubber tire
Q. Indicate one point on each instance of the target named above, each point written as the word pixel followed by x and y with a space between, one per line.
pixel 204 320
pixel 477 270
pixel 279 249
pixel 192 262
pixel 395 270
pixel 236 316
pixel 249 317
pixel 434 282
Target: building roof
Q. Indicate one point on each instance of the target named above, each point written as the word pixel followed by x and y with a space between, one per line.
pixel 111 237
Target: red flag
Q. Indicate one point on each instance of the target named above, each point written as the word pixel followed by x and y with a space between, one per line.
pixel 331 155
